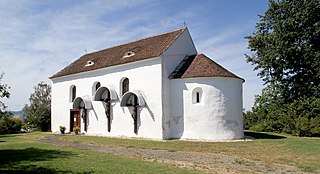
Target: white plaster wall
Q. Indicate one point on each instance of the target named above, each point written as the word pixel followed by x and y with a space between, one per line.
pixel 217 117
pixel 144 78
pixel 171 58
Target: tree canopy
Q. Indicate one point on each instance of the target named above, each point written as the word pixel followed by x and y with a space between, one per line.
pixel 4 93
pixel 286 48
pixel 286 54
pixel 38 114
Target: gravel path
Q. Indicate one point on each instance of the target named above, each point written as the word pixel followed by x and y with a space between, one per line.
pixel 206 162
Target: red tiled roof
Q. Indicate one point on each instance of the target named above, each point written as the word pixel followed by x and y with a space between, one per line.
pixel 143 49
pixel 200 66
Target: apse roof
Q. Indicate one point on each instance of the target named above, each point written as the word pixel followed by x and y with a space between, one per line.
pixel 200 66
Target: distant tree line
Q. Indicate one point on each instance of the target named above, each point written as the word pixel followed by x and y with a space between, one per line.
pixel 286 52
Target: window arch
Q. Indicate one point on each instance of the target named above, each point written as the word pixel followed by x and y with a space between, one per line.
pixel 197 95
pixel 124 86
pixel 73 93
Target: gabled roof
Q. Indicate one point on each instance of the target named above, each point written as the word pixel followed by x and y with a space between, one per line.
pixel 200 66
pixel 130 52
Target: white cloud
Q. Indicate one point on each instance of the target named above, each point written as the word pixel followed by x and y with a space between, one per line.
pixel 39 38
pixel 37 44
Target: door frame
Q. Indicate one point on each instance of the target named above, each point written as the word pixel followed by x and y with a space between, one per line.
pixel 72 111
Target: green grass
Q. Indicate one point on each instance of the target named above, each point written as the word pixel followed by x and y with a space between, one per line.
pixel 22 153
pixel 268 148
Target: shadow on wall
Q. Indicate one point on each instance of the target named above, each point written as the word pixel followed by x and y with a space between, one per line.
pixel 95 113
pixel 261 135
pixel 139 109
pixel 149 110
pixel 176 123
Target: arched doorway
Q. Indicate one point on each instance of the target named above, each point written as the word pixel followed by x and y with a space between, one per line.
pixel 78 111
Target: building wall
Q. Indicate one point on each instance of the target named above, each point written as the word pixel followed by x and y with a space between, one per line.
pixel 218 116
pixel 171 58
pixel 144 78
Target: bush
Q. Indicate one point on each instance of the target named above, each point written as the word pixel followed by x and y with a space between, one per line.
pixel 250 119
pixel 306 116
pixel 62 129
pixel 76 130
pixel 10 126
pixel 301 117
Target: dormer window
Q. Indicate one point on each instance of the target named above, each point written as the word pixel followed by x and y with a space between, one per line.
pixel 89 63
pixel 128 54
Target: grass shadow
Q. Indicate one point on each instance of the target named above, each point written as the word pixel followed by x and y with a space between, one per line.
pixel 263 135
pixel 33 169
pixel 11 157
pixel 9 135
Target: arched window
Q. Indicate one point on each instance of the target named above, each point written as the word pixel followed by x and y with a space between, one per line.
pixel 98 86
pixel 73 93
pixel 197 95
pixel 125 86
pixel 95 87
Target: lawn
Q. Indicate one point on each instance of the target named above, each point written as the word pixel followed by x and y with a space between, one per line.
pixel 268 148
pixel 23 153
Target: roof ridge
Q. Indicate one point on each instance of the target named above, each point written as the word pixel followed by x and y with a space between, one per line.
pixel 169 45
pixel 147 37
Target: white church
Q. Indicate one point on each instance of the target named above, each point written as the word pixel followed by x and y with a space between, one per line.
pixel 157 87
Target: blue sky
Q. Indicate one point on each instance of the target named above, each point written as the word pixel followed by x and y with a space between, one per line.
pixel 39 38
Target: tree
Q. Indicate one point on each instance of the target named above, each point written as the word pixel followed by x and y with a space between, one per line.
pixel 286 48
pixel 4 93
pixel 286 52
pixel 38 114
pixel 7 125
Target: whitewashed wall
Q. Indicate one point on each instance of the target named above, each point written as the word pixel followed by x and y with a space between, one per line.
pixel 171 58
pixel 217 117
pixel 144 78
pixel 169 111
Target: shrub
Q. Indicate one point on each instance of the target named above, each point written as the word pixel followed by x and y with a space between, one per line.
pixel 10 126
pixel 300 117
pixel 62 129
pixel 306 115
pixel 76 130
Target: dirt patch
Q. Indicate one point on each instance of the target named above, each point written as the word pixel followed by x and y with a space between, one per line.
pixel 206 162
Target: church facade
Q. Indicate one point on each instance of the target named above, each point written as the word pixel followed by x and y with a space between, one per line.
pixel 157 87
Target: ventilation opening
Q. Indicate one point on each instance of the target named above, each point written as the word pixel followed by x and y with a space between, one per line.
pixel 128 54
pixel 89 63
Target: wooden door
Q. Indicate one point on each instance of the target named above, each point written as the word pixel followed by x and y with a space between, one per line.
pixel 75 119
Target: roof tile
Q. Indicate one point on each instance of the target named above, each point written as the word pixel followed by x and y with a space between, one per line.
pixel 200 66
pixel 143 49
